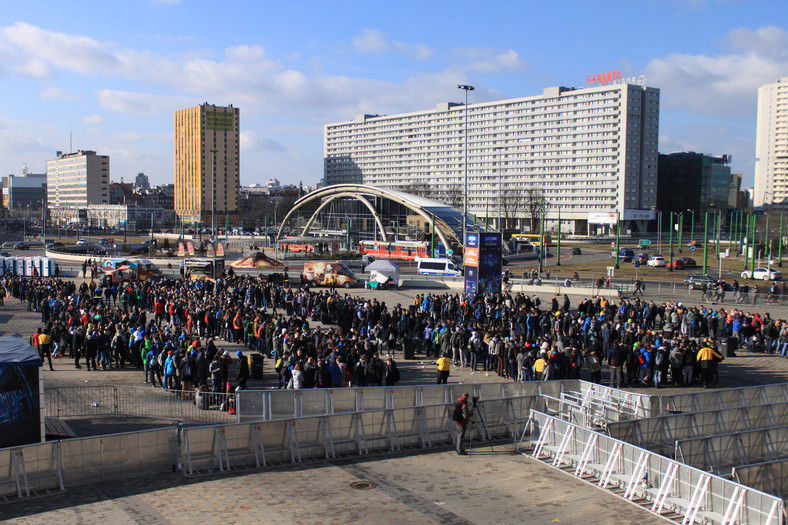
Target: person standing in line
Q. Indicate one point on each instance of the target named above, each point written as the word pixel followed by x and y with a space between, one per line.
pixel 444 366
pixel 242 375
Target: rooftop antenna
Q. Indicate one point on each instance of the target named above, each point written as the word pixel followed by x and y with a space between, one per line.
pixel 70 141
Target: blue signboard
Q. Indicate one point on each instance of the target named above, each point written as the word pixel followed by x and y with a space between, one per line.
pixel 471 262
pixel 490 246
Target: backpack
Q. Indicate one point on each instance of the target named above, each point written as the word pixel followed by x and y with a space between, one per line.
pixel 659 358
pixel 348 375
pixel 641 359
pixel 457 413
pixel 187 368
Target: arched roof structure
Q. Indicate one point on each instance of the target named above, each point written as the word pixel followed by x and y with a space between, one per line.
pixel 448 220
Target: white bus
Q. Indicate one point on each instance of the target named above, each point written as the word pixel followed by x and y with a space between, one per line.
pixel 430 266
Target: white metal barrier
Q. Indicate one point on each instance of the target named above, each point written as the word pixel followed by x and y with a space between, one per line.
pixel 723 398
pixel 669 486
pixel 660 433
pixel 720 453
pixel 769 476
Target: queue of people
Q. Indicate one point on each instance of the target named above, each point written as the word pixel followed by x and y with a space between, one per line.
pixel 172 330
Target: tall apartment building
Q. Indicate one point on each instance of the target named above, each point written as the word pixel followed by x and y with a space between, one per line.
pixel 771 145
pixel 590 152
pixel 204 133
pixel 75 180
pixel 703 183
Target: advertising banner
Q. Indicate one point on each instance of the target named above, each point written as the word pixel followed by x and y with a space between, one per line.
pixel 209 250
pixel 489 279
pixel 471 261
pixel 181 249
pixel 20 411
pixel 190 247
pixel 220 249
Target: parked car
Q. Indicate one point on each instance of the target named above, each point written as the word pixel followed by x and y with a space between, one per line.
pixel 766 274
pixel 624 255
pixel 684 262
pixel 576 251
pixel 657 261
pixel 82 242
pixel 641 258
pixel 21 245
pixel 695 282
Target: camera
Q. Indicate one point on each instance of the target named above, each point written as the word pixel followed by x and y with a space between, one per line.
pixel 475 399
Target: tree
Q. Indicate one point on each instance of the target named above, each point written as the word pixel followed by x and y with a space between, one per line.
pixel 535 202
pixel 513 204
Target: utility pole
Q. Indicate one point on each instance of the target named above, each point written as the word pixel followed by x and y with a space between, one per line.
pixel 558 250
pixel 705 244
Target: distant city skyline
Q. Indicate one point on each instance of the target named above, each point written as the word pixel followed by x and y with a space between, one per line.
pixel 108 76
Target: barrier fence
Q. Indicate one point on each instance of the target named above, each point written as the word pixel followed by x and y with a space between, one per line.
pixel 663 485
pixel 129 401
pixel 723 398
pixel 59 464
pixel 770 476
pixel 659 433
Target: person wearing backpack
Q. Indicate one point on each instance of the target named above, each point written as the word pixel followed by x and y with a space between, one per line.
pixel 444 365
pixel 242 375
pixel 661 363
pixel 461 416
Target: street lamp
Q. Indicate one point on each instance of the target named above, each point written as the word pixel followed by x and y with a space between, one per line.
pixel 659 229
pixel 499 149
pixel 213 194
pixel 465 193
pixel 692 231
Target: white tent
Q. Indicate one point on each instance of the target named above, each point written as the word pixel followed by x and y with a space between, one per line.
pixel 381 270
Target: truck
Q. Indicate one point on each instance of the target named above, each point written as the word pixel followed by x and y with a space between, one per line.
pixel 319 273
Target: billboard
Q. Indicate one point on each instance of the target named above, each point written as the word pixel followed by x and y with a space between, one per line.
pixel 20 402
pixel 602 218
pixel 483 263
pixel 640 215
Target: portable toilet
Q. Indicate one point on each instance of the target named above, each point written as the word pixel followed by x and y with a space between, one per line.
pixel 8 266
pixel 2 265
pixel 19 267
pixel 47 266
pixel 37 270
pixel 28 267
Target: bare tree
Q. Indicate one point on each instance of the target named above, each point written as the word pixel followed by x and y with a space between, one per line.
pixel 452 194
pixel 513 204
pixel 535 202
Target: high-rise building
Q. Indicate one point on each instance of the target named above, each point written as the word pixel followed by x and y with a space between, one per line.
pixel 590 153
pixel 207 153
pixel 694 181
pixel 75 180
pixel 771 145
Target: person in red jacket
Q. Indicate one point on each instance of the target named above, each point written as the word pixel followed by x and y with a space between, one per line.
pixel 461 417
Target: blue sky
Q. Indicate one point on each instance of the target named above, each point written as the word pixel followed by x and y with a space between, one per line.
pixel 113 73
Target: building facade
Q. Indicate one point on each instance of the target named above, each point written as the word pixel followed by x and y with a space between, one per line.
pixel 694 181
pixel 207 155
pixel 28 190
pixel 771 145
pixel 78 179
pixel 590 153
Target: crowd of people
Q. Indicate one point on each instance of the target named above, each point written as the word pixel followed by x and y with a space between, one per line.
pixel 173 331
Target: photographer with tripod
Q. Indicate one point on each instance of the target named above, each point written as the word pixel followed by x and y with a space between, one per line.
pixel 463 411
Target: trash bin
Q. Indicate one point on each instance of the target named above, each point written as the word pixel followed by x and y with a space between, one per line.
pixel 409 348
pixel 731 345
pixel 256 367
pixel 201 399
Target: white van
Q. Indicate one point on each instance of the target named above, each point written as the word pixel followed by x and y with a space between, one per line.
pixel 430 266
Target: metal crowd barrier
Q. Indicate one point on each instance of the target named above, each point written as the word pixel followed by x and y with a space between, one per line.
pixel 769 476
pixel 720 453
pixel 266 405
pixel 59 464
pixel 667 485
pixel 660 433
pixel 129 401
pixel 723 398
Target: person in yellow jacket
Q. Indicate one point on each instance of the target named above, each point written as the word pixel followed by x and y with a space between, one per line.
pixel 444 365
pixel 539 366
pixel 707 358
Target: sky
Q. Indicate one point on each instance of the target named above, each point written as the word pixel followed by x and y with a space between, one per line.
pixel 108 76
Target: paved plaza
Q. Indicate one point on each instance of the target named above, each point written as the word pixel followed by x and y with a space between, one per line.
pixel 434 486
pixel 487 487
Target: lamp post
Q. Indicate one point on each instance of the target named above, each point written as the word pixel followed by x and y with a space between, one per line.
pixel 465 191
pixel 681 230
pixel 692 228
pixel 706 245
pixel 541 243
pixel 670 241
pixel 659 229
pixel 499 149
pixel 213 194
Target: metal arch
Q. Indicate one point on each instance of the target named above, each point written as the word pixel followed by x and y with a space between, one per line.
pixel 336 196
pixel 354 191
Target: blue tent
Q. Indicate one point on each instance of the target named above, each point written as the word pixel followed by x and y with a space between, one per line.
pixel 20 366
pixel 15 351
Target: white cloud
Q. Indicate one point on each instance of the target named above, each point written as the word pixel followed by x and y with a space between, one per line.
pixel 140 103
pixel 724 84
pixel 58 94
pixel 251 141
pixel 36 68
pixel 93 119
pixel 486 60
pixel 375 41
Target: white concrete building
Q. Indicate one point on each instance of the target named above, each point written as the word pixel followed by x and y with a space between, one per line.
pixel 771 145
pixel 591 152
pixel 78 179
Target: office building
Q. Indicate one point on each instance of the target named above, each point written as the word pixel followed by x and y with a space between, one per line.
pixel 694 181
pixel 207 153
pixel 75 180
pixel 26 191
pixel 591 153
pixel 771 145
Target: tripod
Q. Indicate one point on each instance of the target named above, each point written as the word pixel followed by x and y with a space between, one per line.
pixel 484 427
